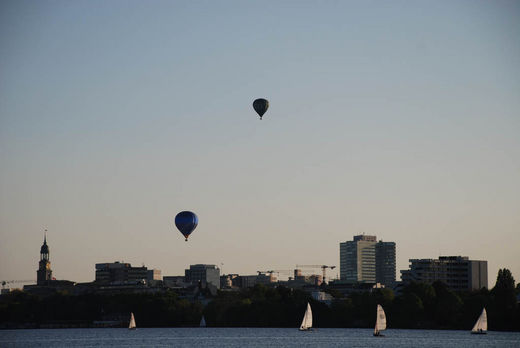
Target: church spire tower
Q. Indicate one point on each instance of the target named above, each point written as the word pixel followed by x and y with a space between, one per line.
pixel 44 272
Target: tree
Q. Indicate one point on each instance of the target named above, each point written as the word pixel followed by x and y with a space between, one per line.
pixel 426 293
pixel 447 307
pixel 409 311
pixel 504 299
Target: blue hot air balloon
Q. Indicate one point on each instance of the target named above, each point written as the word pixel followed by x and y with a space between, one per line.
pixel 261 105
pixel 186 222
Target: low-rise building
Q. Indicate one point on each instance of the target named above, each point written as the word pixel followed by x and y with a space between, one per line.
pixel 247 281
pixel 205 274
pixel 457 272
pixel 153 274
pixel 175 281
pixel 228 281
pixel 322 297
pixel 120 273
pixel 312 279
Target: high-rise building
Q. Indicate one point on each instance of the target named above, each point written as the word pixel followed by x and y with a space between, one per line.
pixel 358 260
pixel 385 263
pixel 44 272
pixel 364 260
pixel 204 274
pixel 457 272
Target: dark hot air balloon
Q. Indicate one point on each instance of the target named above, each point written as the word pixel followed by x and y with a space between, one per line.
pixel 186 222
pixel 261 105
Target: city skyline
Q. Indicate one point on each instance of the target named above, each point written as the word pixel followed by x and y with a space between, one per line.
pixel 380 261
pixel 398 120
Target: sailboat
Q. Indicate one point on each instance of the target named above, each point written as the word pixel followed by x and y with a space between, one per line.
pixel 481 324
pixel 307 319
pixel 202 322
pixel 132 326
pixel 380 321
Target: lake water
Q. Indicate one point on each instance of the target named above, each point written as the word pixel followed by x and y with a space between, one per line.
pixel 251 337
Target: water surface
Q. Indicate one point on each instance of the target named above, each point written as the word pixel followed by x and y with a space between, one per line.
pixel 251 337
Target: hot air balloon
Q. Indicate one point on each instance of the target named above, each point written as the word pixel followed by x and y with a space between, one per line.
pixel 261 105
pixel 186 222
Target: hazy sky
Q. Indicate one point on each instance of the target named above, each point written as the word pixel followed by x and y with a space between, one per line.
pixel 399 119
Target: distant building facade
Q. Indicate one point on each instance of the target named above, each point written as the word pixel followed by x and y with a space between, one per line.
pixel 385 263
pixel 175 281
pixel 205 274
pixel 153 274
pixel 266 278
pixel 228 281
pixel 120 273
pixel 364 260
pixel 322 297
pixel 44 272
pixel 358 260
pixel 312 279
pixel 457 272
pixel 247 281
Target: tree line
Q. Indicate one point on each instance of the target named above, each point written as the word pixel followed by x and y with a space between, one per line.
pixel 417 306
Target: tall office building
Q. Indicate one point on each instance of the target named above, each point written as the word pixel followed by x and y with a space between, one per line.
pixel 459 273
pixel 358 260
pixel 364 260
pixel 385 263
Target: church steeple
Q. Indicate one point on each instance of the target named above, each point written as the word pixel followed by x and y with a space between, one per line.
pixel 44 250
pixel 44 272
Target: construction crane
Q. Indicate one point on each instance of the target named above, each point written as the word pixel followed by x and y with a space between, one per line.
pixel 323 269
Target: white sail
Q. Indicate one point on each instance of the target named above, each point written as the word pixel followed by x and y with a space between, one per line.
pixel 481 324
pixel 380 320
pixel 202 322
pixel 132 322
pixel 307 319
